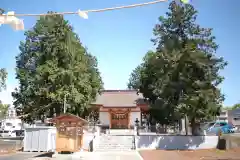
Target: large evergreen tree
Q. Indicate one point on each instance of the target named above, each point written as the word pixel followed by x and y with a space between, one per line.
pixel 184 72
pixel 53 64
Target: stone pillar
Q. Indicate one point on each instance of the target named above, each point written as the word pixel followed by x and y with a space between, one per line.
pixel 135 130
pixel 99 128
pixel 183 130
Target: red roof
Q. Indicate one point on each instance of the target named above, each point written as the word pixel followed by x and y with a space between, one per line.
pixel 120 98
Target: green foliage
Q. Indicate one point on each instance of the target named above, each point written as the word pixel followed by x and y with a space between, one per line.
pixel 53 63
pixel 3 109
pixel 183 73
pixel 3 77
pixel 235 106
pixel 1 11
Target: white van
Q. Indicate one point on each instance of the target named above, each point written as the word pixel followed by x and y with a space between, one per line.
pixel 9 127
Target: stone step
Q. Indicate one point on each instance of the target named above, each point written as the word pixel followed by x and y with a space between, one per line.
pixel 119 148
pixel 113 143
pixel 114 147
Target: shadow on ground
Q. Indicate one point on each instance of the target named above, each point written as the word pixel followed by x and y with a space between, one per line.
pixel 48 154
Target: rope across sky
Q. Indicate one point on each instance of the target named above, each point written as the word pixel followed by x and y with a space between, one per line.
pixel 17 24
pixel 97 10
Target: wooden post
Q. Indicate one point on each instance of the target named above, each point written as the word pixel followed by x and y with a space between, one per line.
pixel 129 118
pixel 110 119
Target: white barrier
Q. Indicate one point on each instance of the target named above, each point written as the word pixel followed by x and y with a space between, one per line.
pixel 40 138
pixel 175 142
pixel 87 139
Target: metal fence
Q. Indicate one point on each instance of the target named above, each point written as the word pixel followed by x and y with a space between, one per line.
pixel 160 129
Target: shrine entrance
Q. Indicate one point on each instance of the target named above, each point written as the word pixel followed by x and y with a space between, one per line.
pixel 119 119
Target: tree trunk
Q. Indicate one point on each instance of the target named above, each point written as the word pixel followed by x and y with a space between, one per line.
pixel 165 128
pixel 186 124
pixel 51 112
pixel 194 127
pixel 57 109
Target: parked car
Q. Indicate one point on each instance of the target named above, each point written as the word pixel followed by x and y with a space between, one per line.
pixel 5 133
pixel 215 127
pixel 235 129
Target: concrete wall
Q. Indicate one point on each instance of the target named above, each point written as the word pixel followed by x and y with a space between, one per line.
pixel 176 142
pixel 230 141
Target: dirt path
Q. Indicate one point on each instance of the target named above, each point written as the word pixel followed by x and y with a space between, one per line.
pixel 191 155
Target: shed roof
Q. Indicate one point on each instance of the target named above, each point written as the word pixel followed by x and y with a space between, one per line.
pixel 68 117
pixel 120 98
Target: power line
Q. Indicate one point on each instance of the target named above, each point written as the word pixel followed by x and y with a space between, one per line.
pixel 93 10
pixel 17 24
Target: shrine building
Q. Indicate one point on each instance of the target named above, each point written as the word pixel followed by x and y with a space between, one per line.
pixel 119 109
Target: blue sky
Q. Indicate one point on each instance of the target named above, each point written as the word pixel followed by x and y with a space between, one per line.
pixel 119 39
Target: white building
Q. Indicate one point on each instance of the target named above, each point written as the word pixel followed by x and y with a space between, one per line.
pixel 11 113
pixel 223 116
pixel 234 117
pixel 11 123
pixel 230 116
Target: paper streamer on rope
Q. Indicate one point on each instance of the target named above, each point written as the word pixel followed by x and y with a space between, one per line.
pixel 10 19
pixel 82 14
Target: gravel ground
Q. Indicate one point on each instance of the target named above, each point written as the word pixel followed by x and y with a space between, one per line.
pixel 20 156
pixel 212 154
pixel 10 144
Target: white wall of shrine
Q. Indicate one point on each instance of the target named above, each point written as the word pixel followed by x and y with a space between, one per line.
pixel 104 118
pixel 133 116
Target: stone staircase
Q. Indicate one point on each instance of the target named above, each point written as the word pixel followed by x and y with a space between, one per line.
pixel 108 143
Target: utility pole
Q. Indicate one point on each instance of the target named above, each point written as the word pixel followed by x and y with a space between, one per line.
pixel 64 104
pixel 186 124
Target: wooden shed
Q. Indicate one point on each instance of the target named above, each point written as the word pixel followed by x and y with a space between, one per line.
pixel 69 135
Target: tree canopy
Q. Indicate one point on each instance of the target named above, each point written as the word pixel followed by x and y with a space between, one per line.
pixel 182 76
pixel 235 106
pixel 3 109
pixel 52 64
pixel 3 77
